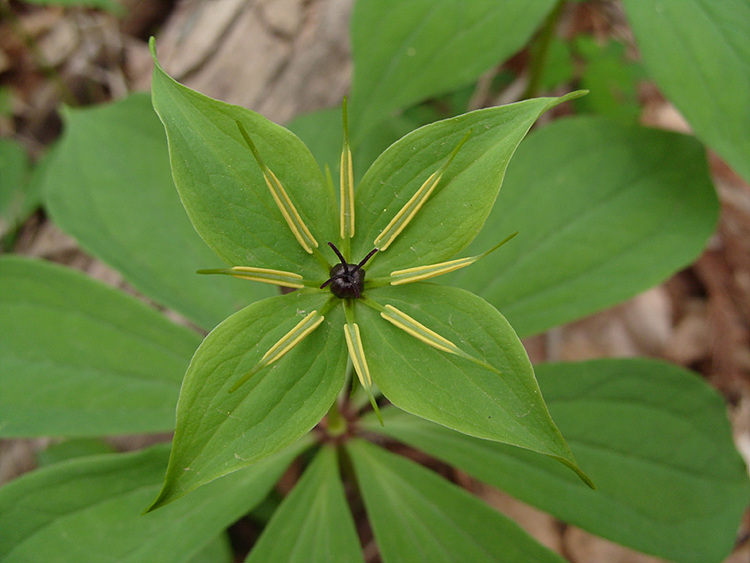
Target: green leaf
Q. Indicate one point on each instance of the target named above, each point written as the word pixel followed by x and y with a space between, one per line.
pixel 223 189
pixel 79 358
pixel 73 448
pixel 698 52
pixel 610 78
pixel 112 6
pixel 419 516
pixel 313 523
pixel 90 509
pixel 407 50
pixel 655 439
pixel 109 186
pixel 612 211
pixel 456 211
pixel 503 405
pixel 14 165
pixel 218 431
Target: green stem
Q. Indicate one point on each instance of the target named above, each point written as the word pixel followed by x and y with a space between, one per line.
pixel 540 50
pixel 336 422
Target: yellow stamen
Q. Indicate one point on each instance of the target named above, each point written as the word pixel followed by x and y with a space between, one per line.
pixel 263 275
pixel 359 361
pixel 420 273
pixel 419 331
pixel 283 202
pixel 284 345
pixel 357 354
pixel 347 184
pixel 415 203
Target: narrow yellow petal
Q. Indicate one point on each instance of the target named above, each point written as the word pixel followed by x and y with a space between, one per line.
pixel 357 353
pixel 263 275
pixel 415 203
pixel 419 331
pixel 283 202
pixel 420 273
pixel 293 337
pixel 359 361
pixel 347 184
pixel 407 212
pixel 284 345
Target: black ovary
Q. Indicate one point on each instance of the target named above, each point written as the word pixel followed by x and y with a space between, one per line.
pixel 347 281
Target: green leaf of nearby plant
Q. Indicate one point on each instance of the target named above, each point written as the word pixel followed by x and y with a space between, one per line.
pixel 407 50
pixel 222 187
pixel 418 516
pixel 612 211
pixel 456 211
pixel 313 523
pixel 451 390
pixel 73 448
pixel 698 51
pixel 655 439
pixel 111 6
pixel 218 431
pixel 14 165
pixel 80 358
pixel 90 509
pixel 109 186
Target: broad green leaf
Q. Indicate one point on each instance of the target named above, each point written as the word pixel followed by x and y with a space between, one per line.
pixel 464 196
pixel 654 438
pixel 407 50
pixel 698 52
pixel 419 516
pixel 73 448
pixel 313 523
pixel 109 186
pixel 603 211
pixel 14 172
pixel 503 405
pixel 91 509
pixel 219 431
pixel 78 358
pixel 223 189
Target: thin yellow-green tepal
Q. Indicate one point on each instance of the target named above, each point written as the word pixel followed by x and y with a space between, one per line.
pixel 359 264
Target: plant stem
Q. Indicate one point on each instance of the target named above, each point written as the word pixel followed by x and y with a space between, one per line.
pixel 336 422
pixel 540 50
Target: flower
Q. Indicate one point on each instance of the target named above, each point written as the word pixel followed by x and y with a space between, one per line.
pixel 347 282
pixel 265 376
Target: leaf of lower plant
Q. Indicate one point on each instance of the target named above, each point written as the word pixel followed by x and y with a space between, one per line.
pixel 15 171
pixel 655 439
pixel 449 389
pixel 313 523
pixel 90 509
pixel 698 52
pixel 222 187
pixel 407 51
pixel 78 358
pixel 613 211
pixel 219 432
pixel 419 516
pixel 109 186
pixel 464 196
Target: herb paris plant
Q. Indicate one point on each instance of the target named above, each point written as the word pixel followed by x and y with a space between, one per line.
pixel 268 374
